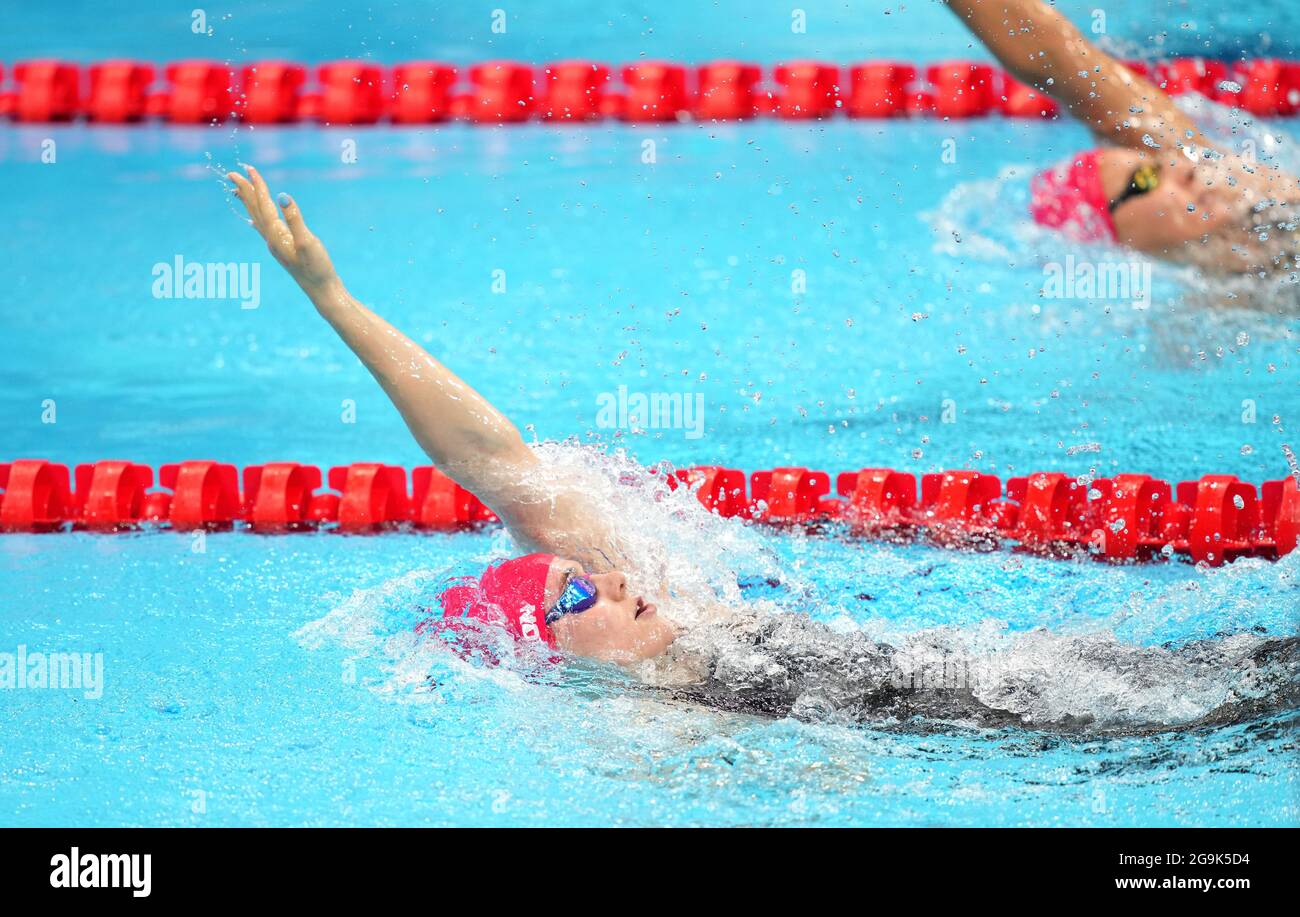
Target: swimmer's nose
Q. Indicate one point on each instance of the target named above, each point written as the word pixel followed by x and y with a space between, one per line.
pixel 616 582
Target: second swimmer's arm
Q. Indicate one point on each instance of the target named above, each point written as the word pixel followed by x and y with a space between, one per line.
pixel 1041 47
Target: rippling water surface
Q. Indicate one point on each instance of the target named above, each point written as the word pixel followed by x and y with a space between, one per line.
pixel 254 680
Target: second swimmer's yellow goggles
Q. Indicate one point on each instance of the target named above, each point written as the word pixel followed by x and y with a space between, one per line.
pixel 1144 178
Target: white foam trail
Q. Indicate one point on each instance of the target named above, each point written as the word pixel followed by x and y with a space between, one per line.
pixel 364 615
pixel 376 625
pixel 1047 678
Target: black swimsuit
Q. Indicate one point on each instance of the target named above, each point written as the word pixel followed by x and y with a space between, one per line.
pixel 787 665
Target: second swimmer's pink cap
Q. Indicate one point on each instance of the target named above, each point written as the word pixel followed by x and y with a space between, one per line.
pixel 1069 198
pixel 511 594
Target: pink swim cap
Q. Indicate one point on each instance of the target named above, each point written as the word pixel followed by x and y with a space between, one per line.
pixel 1069 197
pixel 510 594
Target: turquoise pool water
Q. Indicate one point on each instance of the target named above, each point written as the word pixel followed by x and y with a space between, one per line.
pixel 275 680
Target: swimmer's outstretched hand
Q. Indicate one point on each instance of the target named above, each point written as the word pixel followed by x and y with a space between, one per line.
pixel 288 238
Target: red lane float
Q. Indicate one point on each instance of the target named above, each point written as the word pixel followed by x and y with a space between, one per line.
pixel 48 90
pixel 351 92
pixel 440 504
pixel 960 500
pixel 790 495
pixel 118 91
pixel 1021 101
pixel 1191 74
pixel 1125 518
pixel 879 89
pixel 277 495
pixel 878 498
pixel 498 92
pixel 727 91
pixel 422 93
pixel 574 91
pixel 720 490
pixel 655 92
pixel 109 495
pixel 373 496
pixel 200 93
pixel 962 89
pixel 810 89
pixel 1053 508
pixel 1225 516
pixel 503 93
pixel 1291 103
pixel 1267 87
pixel 35 496
pixel 1131 516
pixel 1280 517
pixel 205 495
pixel 271 92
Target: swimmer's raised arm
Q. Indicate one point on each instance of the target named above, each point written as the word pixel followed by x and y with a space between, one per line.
pixel 465 436
pixel 1042 48
pixel 458 428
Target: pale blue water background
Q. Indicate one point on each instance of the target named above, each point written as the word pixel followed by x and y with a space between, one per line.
pixel 671 277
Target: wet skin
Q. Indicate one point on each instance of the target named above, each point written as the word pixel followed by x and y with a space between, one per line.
pixel 621 627
pixel 1195 205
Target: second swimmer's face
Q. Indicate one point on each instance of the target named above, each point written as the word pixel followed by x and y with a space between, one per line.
pixel 1185 207
pixel 620 627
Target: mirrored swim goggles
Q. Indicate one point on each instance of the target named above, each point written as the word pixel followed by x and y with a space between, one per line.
pixel 1145 178
pixel 579 594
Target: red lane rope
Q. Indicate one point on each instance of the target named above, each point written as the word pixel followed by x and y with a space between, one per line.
pixel 1124 518
pixel 497 92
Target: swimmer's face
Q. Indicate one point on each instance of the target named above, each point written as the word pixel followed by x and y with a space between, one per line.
pixel 1191 201
pixel 620 627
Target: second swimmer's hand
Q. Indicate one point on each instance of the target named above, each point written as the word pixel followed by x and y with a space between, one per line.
pixel 288 238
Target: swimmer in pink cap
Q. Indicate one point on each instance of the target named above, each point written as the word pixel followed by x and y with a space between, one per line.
pixel 1157 184
pixel 568 594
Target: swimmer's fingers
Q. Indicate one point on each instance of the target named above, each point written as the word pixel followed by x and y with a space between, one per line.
pixel 293 217
pixel 248 195
pixel 266 219
pixel 263 196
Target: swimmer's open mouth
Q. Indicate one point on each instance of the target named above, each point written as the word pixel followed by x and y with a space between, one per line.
pixel 643 608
